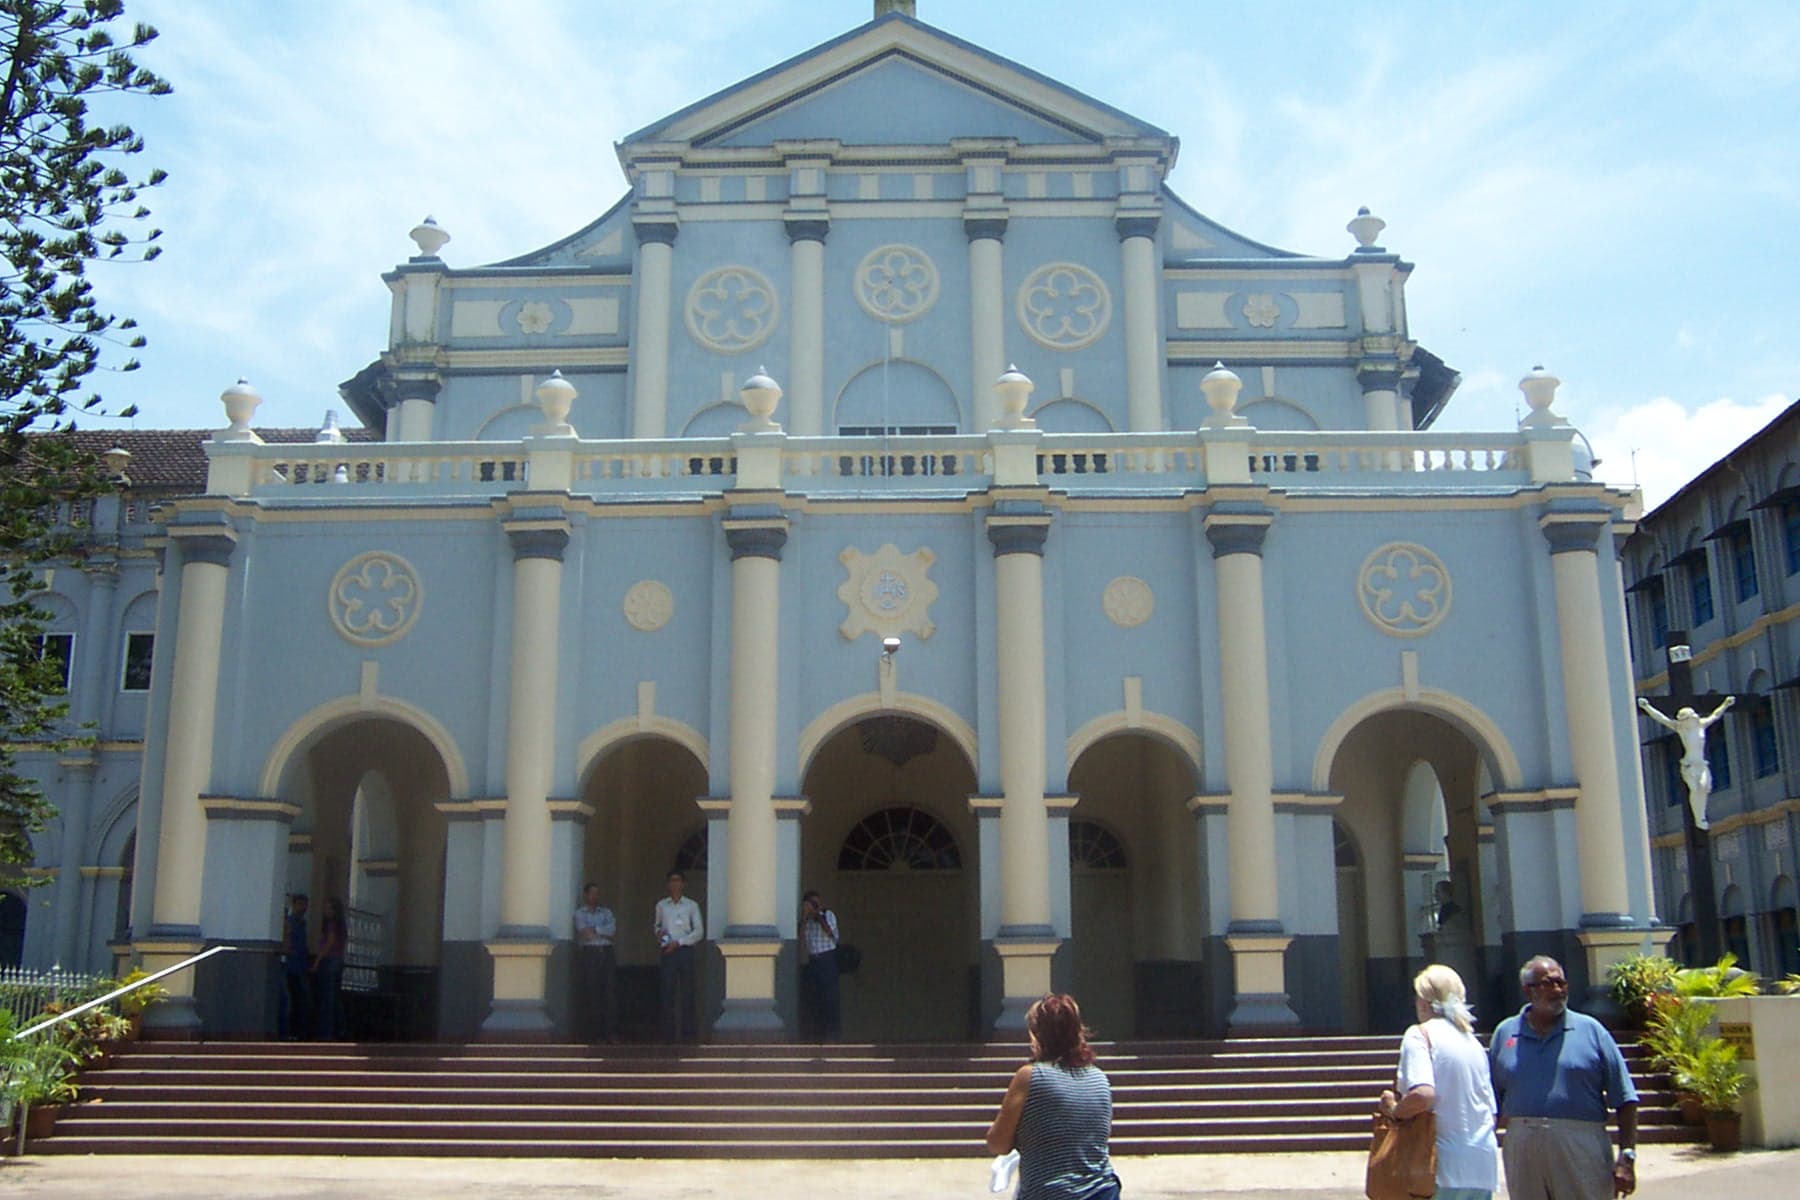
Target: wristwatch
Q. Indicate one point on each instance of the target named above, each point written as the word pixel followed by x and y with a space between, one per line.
pixel 1628 1154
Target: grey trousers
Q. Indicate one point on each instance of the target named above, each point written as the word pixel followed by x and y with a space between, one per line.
pixel 1548 1158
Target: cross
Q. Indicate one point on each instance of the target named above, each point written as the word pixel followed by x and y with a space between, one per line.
pixel 1681 695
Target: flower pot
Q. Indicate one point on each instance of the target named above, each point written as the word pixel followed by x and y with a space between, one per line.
pixel 1724 1130
pixel 1692 1112
pixel 137 1026
pixel 41 1121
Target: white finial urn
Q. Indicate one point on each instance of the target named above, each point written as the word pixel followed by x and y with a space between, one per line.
pixel 429 236
pixel 760 395
pixel 1014 388
pixel 1540 387
pixel 240 401
pixel 1365 227
pixel 1221 387
pixel 556 396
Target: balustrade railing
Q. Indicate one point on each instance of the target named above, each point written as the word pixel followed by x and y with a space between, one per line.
pixel 962 462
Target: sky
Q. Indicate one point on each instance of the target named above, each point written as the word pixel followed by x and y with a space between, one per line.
pixel 1609 189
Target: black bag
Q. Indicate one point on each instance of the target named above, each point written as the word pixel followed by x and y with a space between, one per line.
pixel 849 959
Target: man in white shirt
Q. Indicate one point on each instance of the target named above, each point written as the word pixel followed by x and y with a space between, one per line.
pixel 595 929
pixel 678 930
pixel 819 931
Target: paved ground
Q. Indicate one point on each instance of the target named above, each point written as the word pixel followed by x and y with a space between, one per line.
pixel 1667 1173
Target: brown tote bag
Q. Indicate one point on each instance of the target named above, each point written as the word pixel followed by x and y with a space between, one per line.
pixel 1403 1157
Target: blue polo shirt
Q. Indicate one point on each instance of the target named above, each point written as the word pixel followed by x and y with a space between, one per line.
pixel 1574 1071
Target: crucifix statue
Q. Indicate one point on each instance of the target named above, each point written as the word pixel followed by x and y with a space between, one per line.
pixel 1679 712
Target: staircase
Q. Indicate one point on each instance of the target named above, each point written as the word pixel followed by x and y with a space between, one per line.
pixel 778 1101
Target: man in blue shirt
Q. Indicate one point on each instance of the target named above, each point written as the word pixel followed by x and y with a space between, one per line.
pixel 1556 1073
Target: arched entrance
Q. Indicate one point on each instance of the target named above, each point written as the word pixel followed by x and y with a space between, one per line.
pixel 1134 889
pixel 370 836
pixel 892 845
pixel 1411 783
pixel 646 823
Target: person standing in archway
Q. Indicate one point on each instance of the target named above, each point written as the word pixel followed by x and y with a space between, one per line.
pixel 819 930
pixel 595 968
pixel 328 972
pixel 296 967
pixel 678 930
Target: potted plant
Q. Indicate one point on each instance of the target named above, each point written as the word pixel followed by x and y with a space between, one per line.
pixel 132 1004
pixel 1637 980
pixel 43 1080
pixel 1672 1036
pixel 1720 1082
pixel 1725 978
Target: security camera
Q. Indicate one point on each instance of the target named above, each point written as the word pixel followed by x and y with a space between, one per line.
pixel 890 646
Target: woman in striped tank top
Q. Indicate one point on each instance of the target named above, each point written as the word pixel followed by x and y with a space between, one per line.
pixel 1058 1111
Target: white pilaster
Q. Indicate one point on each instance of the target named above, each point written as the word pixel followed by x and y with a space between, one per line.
pixel 653 298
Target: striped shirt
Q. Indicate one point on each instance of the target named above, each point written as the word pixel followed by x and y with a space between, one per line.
pixel 821 938
pixel 1063 1134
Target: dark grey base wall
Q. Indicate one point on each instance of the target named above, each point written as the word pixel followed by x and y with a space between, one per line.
pixel 465 989
pixel 238 994
pixel 1217 978
pixel 1315 991
pixel 1390 994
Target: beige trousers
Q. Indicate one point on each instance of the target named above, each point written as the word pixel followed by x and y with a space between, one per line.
pixel 1549 1158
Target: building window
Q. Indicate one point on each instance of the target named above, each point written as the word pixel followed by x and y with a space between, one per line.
pixel 1092 846
pixel 1659 618
pixel 1790 525
pixel 1763 751
pixel 136 675
pixel 1743 558
pixel 1719 759
pixel 58 648
pixel 899 839
pixel 1700 590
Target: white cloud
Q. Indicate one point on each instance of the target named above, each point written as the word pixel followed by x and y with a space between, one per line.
pixel 1667 446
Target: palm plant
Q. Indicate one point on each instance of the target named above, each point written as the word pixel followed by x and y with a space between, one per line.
pixel 1718 981
pixel 1638 979
pixel 1673 1033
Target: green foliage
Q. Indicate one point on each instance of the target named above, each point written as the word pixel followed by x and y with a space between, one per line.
pixel 1715 1076
pixel 44 1072
pixel 1673 1033
pixel 1789 986
pixel 1636 979
pixel 133 1004
pixel 1723 979
pixel 66 203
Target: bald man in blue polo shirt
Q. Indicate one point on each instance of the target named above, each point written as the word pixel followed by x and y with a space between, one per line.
pixel 1556 1073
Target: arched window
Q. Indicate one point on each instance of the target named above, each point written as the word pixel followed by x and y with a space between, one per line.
pixel 692 855
pixel 1091 845
pixel 899 839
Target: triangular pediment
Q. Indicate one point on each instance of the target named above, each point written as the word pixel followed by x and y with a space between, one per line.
pixel 913 84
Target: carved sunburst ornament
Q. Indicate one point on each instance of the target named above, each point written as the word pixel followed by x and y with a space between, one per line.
pixel 887 593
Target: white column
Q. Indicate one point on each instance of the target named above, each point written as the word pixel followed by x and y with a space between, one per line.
pixel 415 410
pixel 987 314
pixel 653 298
pixel 1026 940
pixel 1255 935
pixel 806 366
pixel 521 948
pixel 175 929
pixel 1381 395
pixel 751 941
pixel 1143 322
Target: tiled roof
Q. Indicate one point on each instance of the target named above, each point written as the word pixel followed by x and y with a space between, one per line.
pixel 172 458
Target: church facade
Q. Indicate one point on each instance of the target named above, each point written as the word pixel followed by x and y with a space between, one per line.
pixel 902 493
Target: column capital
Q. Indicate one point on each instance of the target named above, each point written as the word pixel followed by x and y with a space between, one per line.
pixel 538 543
pixel 1569 534
pixel 1237 533
pixel 1379 376
pixel 660 231
pixel 213 549
pixel 1018 527
pixel 423 386
pixel 985 225
pixel 807 227
pixel 760 539
pixel 1136 224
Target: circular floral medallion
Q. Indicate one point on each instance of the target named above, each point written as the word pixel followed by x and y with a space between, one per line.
pixel 648 605
pixel 732 309
pixel 1404 589
pixel 1128 601
pixel 1064 306
pixel 375 598
pixel 896 283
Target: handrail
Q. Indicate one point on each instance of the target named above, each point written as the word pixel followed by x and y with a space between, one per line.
pixel 117 992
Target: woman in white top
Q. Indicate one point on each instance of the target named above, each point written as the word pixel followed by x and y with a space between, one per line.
pixel 1444 1070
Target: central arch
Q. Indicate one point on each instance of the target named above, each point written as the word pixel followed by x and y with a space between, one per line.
pixel 892 845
